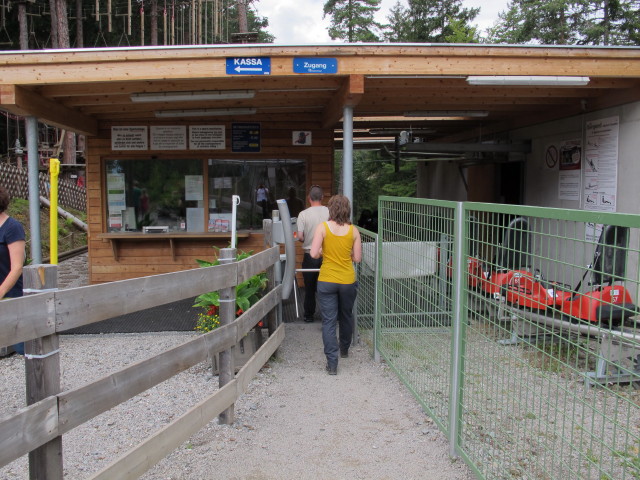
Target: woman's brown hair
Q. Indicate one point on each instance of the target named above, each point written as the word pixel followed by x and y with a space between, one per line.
pixel 339 209
pixel 4 199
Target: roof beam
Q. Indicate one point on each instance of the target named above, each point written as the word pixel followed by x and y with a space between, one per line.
pixel 349 95
pixel 20 101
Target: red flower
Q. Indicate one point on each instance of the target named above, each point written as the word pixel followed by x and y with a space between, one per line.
pixel 239 312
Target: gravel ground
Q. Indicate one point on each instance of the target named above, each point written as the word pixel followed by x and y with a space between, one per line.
pixel 294 422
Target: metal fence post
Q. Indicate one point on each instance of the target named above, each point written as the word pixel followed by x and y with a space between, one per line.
pixel 42 370
pixel 376 308
pixel 459 320
pixel 227 314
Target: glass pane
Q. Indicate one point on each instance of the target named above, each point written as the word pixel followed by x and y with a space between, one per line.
pixel 164 193
pixel 281 178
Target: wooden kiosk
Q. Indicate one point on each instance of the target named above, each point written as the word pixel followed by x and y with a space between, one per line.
pixel 187 127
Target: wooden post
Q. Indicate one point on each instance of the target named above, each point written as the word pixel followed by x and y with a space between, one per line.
pixel 272 316
pixel 42 368
pixel 227 313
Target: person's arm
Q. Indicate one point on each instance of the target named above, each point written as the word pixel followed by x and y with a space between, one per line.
pixel 316 244
pixel 356 251
pixel 16 255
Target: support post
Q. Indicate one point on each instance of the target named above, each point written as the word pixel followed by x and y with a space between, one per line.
pixel 347 154
pixel 31 124
pixel 42 369
pixel 227 313
pixel 459 327
pixel 272 316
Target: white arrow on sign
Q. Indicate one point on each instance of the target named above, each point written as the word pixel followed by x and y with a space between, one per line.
pixel 248 69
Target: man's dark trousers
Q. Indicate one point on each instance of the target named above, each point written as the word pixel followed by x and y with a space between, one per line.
pixel 310 285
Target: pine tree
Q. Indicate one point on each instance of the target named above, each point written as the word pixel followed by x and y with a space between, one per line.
pixel 568 22
pixel 431 21
pixel 611 22
pixel 352 20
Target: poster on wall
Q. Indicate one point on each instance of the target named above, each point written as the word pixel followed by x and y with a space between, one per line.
pixel 570 160
pixel 129 138
pixel 168 137
pixel 301 137
pixel 601 164
pixel 116 195
pixel 206 137
pixel 245 137
pixel 193 187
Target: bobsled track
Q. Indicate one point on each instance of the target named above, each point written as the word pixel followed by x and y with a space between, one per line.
pixel 517 328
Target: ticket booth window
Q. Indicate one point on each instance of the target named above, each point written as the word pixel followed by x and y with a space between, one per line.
pixel 281 178
pixel 163 193
pixel 195 195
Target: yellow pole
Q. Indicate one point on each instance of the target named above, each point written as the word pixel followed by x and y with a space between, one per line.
pixel 54 170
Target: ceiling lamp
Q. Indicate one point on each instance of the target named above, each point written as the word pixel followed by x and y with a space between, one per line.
pixel 516 80
pixel 204 112
pixel 192 96
pixel 447 113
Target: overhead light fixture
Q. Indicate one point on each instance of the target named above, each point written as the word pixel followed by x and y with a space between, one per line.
pixel 522 80
pixel 197 96
pixel 447 113
pixel 204 112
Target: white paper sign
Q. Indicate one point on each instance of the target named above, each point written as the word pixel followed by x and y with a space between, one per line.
pixel 129 138
pixel 169 137
pixel 193 187
pixel 601 164
pixel 206 137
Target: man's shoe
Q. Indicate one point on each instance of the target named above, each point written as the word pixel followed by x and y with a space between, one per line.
pixel 344 353
pixel 308 319
pixel 332 370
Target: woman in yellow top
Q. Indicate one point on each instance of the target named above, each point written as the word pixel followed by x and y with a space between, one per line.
pixel 339 244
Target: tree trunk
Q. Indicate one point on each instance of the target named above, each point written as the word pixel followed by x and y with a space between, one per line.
pixel 242 16
pixel 53 8
pixel 22 21
pixel 79 25
pixel 62 24
pixel 154 22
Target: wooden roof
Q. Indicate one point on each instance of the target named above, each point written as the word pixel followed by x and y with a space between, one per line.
pixel 80 90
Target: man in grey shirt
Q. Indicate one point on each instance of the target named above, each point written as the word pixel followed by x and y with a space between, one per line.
pixel 308 220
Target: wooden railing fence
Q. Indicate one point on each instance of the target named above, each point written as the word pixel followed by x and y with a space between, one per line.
pixel 39 318
pixel 16 181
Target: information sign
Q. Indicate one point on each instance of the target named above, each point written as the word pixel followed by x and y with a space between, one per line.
pixel 245 137
pixel 315 65
pixel 248 66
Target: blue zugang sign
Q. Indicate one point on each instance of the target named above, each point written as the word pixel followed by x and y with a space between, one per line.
pixel 248 66
pixel 315 65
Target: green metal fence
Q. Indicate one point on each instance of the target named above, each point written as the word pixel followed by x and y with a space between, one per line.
pixel 515 328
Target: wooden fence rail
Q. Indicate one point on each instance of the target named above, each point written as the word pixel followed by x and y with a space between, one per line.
pixel 47 313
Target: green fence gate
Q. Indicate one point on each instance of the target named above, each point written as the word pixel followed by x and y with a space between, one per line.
pixel 516 330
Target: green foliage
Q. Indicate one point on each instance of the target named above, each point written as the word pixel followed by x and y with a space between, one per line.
pixel 568 22
pixel 247 293
pixel 374 176
pixel 352 20
pixel 431 21
pixel 72 238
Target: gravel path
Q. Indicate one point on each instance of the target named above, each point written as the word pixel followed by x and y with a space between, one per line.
pixel 294 422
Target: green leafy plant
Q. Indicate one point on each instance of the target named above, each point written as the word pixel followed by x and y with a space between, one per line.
pixel 247 293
